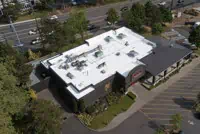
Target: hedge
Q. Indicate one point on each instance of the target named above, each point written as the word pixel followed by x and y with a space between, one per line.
pixel 131 95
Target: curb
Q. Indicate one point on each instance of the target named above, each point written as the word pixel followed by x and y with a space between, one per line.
pixel 85 125
pixel 20 22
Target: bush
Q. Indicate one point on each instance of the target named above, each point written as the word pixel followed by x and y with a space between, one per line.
pixel 85 118
pixel 157 28
pixel 131 95
pixel 32 94
pixel 90 110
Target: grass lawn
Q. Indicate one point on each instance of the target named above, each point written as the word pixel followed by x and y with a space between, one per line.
pixel 37 14
pixel 197 51
pixel 103 119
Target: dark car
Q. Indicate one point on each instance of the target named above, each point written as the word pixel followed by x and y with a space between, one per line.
pixel 92 27
pixel 124 9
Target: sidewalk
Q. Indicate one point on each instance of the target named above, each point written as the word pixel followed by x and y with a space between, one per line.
pixel 144 96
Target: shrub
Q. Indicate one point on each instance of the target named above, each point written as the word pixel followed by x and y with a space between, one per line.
pixel 90 110
pixel 32 94
pixel 157 28
pixel 85 118
pixel 131 95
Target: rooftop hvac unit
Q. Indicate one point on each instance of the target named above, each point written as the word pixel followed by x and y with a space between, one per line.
pixel 70 75
pixel 132 53
pixel 101 65
pixel 108 39
pixel 121 36
pixel 103 71
pixel 126 44
pixel 98 54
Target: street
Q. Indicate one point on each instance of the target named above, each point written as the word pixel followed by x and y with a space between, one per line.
pixel 96 15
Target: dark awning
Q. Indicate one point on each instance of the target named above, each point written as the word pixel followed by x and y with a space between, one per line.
pixel 163 57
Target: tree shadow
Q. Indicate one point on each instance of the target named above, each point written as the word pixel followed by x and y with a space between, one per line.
pixel 155 125
pixel 54 91
pixel 184 103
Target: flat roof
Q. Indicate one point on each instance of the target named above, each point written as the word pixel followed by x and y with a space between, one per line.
pixel 163 57
pixel 99 58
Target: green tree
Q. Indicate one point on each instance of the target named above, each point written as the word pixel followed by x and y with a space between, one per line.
pixel 135 17
pixel 44 118
pixel 166 14
pixel 159 131
pixel 52 34
pixel 12 100
pixel 81 106
pixel 195 36
pixel 112 16
pixel 157 28
pixel 153 14
pixel 176 121
pixel 15 64
pixel 11 10
pixel 80 22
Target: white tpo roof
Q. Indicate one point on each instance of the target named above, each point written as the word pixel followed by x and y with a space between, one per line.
pixel 115 57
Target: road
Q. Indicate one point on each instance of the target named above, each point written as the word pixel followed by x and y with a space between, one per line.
pixel 95 15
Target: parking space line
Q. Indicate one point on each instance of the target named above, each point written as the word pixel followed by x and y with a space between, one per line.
pixel 145 114
pixel 170 109
pixel 181 93
pixel 164 119
pixel 181 89
pixel 163 113
pixel 170 100
pixel 171 97
pixel 173 105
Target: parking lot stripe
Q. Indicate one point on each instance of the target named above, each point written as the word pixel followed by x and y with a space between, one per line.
pixel 164 119
pixel 166 109
pixel 181 93
pixel 173 105
pixel 170 97
pixel 182 89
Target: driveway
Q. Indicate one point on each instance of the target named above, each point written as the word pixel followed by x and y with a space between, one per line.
pixel 178 98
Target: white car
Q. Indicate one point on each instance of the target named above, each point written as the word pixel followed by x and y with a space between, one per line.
pixel 32 32
pixel 162 3
pixel 36 41
pixel 54 17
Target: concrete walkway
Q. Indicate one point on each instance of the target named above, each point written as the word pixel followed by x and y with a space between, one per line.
pixel 144 96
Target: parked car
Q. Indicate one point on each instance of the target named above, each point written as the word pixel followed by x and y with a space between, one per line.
pixel 125 8
pixel 92 27
pixel 54 17
pixel 162 3
pixel 32 32
pixel 36 41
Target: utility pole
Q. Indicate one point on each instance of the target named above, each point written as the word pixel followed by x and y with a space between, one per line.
pixel 14 30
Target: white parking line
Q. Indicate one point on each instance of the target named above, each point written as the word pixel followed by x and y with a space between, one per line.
pixel 168 109
pixel 195 94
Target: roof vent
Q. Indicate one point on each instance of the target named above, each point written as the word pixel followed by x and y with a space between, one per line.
pixel 126 44
pixel 101 65
pixel 103 71
pixel 70 75
pixel 121 36
pixel 98 54
pixel 117 54
pixel 108 39
pixel 132 53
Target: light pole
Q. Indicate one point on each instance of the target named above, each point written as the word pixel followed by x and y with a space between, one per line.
pixel 14 30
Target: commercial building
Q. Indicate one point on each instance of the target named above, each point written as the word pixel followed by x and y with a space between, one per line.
pixel 111 61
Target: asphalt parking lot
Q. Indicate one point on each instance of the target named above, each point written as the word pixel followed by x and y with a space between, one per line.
pixel 178 98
